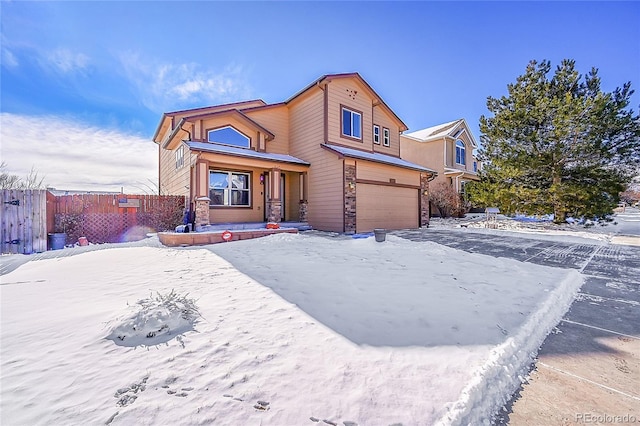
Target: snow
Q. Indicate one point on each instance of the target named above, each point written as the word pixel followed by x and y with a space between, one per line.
pixel 282 330
pixel 536 227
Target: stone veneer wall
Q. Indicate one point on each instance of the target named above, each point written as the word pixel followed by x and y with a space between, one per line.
pixel 424 200
pixel 302 211
pixel 274 211
pixel 202 211
pixel 349 198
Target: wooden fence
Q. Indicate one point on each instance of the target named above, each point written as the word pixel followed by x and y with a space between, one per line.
pixel 109 218
pixel 24 221
pixel 29 216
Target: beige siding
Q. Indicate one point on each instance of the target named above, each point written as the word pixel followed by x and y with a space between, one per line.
pixel 342 92
pixel 306 131
pixel 427 154
pixel 174 181
pixel 276 120
pixel 386 207
pixel 382 173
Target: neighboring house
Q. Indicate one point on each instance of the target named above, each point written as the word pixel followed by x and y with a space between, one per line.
pixel 329 156
pixel 446 148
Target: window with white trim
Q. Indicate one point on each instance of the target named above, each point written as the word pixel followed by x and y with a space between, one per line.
pixel 180 157
pixel 461 153
pixel 229 136
pixel 376 134
pixel 351 123
pixel 229 188
pixel 386 138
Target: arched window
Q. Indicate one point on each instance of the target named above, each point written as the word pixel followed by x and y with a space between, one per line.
pixel 461 153
pixel 229 136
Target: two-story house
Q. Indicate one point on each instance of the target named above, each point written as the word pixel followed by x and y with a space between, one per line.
pixel 446 148
pixel 329 156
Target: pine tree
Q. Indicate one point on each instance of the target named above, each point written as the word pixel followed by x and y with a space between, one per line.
pixel 558 145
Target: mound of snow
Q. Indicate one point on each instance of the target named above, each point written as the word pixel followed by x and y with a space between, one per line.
pixel 156 320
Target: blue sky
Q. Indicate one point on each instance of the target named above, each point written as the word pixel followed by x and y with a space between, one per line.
pixel 112 68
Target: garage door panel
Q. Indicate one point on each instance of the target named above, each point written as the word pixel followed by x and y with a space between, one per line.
pixel 386 207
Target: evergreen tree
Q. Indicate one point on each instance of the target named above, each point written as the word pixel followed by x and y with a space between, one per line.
pixel 558 145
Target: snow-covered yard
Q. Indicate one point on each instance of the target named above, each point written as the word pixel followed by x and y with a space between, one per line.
pixel 289 330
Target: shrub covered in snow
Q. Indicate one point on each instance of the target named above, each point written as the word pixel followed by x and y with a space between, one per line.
pixel 156 319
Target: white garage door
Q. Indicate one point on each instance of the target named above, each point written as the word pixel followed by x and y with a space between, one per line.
pixel 387 207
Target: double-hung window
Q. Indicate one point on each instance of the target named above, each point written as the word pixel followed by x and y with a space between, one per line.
pixel 229 188
pixel 386 138
pixel 376 134
pixel 179 157
pixel 351 123
pixel 461 153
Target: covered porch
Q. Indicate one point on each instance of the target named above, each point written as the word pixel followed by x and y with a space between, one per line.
pixel 238 186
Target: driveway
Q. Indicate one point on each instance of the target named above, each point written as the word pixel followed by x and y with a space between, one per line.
pixel 588 369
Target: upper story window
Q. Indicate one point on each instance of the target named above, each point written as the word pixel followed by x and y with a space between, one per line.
pixel 461 153
pixel 376 134
pixel 179 157
pixel 475 166
pixel 229 136
pixel 351 123
pixel 229 188
pixel 386 138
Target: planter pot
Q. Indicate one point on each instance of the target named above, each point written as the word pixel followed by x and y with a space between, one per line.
pixel 57 240
pixel 380 234
pixel 83 241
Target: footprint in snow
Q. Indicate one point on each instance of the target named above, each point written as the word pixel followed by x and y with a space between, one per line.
pixel 128 395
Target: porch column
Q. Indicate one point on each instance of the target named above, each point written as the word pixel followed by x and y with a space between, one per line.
pixel 274 201
pixel 202 212
pixel 424 199
pixel 302 209
pixel 202 199
pixel 349 198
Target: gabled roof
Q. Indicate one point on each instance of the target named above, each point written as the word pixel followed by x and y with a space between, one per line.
pixel 358 77
pixel 220 107
pixel 235 113
pixel 375 157
pixel 446 130
pixel 243 152
pixel 205 110
pixel 231 112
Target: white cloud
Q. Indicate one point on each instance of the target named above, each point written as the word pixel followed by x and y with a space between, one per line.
pixel 9 59
pixel 165 87
pixel 66 61
pixel 71 155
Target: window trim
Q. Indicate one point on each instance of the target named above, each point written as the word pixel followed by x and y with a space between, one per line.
pixel 228 190
pixel 463 153
pixel 386 137
pixel 352 111
pixel 179 157
pixel 228 144
pixel 376 136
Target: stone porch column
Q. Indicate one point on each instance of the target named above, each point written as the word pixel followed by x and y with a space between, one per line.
pixel 274 200
pixel 303 205
pixel 202 212
pixel 424 199
pixel 350 198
